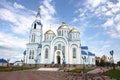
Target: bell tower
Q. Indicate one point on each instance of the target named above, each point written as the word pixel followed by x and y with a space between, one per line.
pixel 34 46
pixel 36 29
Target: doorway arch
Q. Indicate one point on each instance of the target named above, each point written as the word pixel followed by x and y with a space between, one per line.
pixel 58 57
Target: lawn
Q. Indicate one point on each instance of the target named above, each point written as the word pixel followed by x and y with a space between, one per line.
pixel 3 69
pixel 77 70
pixel 113 74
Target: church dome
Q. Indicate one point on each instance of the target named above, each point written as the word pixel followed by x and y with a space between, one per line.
pixel 63 26
pixel 49 32
pixel 74 30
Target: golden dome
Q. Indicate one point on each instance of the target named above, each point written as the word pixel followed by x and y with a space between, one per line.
pixel 49 32
pixel 74 30
pixel 63 26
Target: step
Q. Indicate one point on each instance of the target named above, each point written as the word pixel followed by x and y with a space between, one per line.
pixel 48 69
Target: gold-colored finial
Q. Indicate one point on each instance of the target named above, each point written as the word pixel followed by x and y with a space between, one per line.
pixel 63 23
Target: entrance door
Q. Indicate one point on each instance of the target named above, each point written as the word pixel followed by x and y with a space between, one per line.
pixel 58 59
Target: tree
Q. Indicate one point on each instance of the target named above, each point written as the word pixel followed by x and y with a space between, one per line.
pixel 97 63
pixel 102 63
pixel 118 63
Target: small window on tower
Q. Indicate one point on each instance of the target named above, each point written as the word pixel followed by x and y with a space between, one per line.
pixel 34 26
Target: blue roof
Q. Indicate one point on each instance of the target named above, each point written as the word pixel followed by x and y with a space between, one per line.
pixel 83 53
pixel 24 52
pixel 91 54
pixel 84 47
pixel 39 23
pixel 3 61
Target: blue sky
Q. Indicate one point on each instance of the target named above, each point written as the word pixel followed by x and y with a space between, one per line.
pixel 97 20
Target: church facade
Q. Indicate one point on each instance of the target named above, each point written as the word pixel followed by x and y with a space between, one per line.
pixel 61 48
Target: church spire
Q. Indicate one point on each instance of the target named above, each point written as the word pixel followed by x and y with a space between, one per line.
pixel 38 16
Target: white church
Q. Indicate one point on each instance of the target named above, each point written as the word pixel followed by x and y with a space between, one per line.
pixel 61 48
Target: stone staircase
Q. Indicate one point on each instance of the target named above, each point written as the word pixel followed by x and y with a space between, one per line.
pixel 48 69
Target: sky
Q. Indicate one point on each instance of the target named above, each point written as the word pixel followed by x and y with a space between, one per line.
pixel 97 20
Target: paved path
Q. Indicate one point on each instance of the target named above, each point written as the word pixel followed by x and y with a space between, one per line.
pixel 49 75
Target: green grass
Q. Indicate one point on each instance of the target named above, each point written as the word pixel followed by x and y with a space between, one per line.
pixel 86 70
pixel 113 74
pixel 2 69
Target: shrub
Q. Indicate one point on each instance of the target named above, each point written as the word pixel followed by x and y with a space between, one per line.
pixel 78 70
pixel 7 69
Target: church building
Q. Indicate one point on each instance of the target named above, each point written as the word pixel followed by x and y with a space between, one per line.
pixel 64 47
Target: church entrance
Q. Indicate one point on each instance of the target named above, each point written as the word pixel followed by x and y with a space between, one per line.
pixel 58 57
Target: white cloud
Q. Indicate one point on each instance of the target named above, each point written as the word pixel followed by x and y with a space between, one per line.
pixel 20 21
pixel 114 33
pixel 16 5
pixel 7 15
pixel 82 15
pixel 115 10
pixel 95 3
pixel 47 12
pixel 12 46
pixel 17 17
pixel 117 18
pixel 11 41
pixel 108 23
pixel 118 27
pixel 103 8
pixel 108 13
pixel 75 20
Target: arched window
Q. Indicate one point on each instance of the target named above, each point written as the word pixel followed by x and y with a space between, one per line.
pixel 59 33
pixel 55 48
pixel 73 35
pixel 63 51
pixel 46 53
pixel 35 26
pixel 33 38
pixel 74 52
pixel 30 54
pixel 62 32
pixel 59 46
